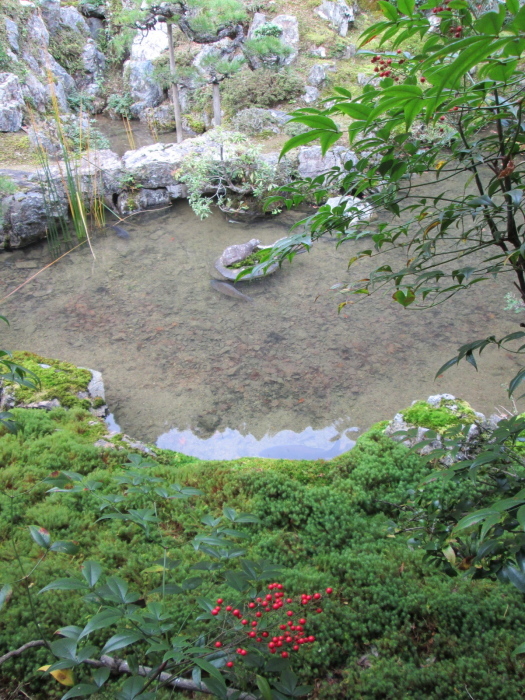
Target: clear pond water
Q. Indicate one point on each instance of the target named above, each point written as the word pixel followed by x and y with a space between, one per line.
pixel 209 375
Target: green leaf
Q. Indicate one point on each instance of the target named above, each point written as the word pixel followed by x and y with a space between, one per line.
pixel 300 140
pixel 212 670
pixel 406 7
pixel 513 6
pixel 264 688
pixel 488 524
pixel 475 518
pixel 516 381
pixel 64 584
pixel 388 10
pixel 80 691
pixel 217 688
pixel 64 547
pixel 103 619
pixel 91 571
pixel 519 650
pixel 132 690
pixel 121 640
pixel 41 536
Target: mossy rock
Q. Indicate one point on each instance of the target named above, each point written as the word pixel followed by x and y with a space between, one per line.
pixel 60 380
pixel 447 413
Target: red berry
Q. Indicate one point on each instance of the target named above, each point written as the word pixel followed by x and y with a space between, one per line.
pixel 422 80
pixel 289 600
pixel 280 586
pixel 265 634
pixel 317 596
pixel 311 638
pixel 269 596
pixel 258 614
pixel 254 624
pixel 251 605
pixel 215 611
pixel 398 51
pixel 235 612
pixel 441 119
pixel 329 590
pixel 252 634
pixel 218 644
pixel 229 608
pixel 273 650
pixel 282 627
pixel 289 613
pixel 243 652
pixel 319 610
pixel 244 622
pixel 259 639
pixel 285 654
pixel 220 600
pixel 229 664
pixel 296 647
pixel 302 621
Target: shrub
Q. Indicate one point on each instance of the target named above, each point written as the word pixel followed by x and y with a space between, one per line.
pixel 260 88
pixel 66 47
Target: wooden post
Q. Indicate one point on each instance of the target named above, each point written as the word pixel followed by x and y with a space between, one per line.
pixel 216 104
pixel 174 87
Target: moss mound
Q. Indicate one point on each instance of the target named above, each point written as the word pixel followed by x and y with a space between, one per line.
pixel 394 628
pixel 439 418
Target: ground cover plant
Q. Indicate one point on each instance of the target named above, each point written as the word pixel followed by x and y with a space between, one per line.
pixel 392 625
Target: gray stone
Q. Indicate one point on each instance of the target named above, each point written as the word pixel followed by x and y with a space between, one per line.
pixel 149 46
pixel 258 20
pixel 62 76
pixel 95 387
pixel 105 444
pixel 143 87
pixel 290 36
pixel 50 10
pixel 35 92
pixel 340 16
pixel 37 30
pixel 46 405
pixel 367 79
pixel 71 17
pixel 236 253
pixel 161 117
pixel 11 102
pixel 313 163
pixel 136 445
pixel 92 10
pixel 355 209
pixel 11 30
pixel 317 76
pixel 27 218
pixel 318 51
pixel 96 28
pixel 311 94
pixel 143 199
pixel 93 60
pixel 177 191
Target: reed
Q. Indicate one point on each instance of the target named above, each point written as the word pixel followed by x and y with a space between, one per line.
pixel 129 132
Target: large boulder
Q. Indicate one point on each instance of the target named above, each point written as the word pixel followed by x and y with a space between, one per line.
pixel 71 17
pixel 290 36
pixel 92 10
pixel 96 28
pixel 317 76
pixel 311 94
pixel 149 46
pixel 11 33
pixel 50 11
pixel 27 218
pixel 37 31
pixel 11 102
pixel 143 88
pixel 129 202
pixel 35 92
pixel 340 16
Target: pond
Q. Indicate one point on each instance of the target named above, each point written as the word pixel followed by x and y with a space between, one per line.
pixel 213 376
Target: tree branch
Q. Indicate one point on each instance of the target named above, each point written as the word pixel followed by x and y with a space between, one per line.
pixel 121 667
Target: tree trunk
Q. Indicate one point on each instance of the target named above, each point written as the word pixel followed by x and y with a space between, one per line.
pixel 216 104
pixel 174 87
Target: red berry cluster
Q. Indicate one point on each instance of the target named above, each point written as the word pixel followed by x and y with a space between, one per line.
pixel 292 634
pixel 456 31
pixel 439 9
pixel 384 68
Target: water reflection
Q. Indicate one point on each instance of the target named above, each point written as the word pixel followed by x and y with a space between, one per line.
pixel 286 444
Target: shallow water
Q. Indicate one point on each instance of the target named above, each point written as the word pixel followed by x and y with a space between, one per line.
pixel 216 376
pixel 115 132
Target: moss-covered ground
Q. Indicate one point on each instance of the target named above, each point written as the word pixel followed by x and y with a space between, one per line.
pixel 395 628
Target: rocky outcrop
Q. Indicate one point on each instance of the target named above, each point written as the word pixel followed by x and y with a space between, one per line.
pixel 142 179
pixel 143 88
pixel 340 16
pixel 11 102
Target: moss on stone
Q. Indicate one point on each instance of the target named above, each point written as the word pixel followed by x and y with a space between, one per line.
pixel 439 418
pixel 61 380
pixel 16 149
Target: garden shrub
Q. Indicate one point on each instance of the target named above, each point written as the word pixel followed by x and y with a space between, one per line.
pixel 66 47
pixel 260 88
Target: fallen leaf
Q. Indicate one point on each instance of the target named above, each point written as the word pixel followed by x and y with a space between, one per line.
pixel 63 676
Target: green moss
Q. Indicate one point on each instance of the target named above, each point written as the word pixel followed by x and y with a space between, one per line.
pixel 253 259
pixel 16 149
pixel 447 414
pixel 66 47
pixel 195 124
pixel 61 380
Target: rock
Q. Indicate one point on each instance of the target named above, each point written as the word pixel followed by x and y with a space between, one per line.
pixel 35 92
pixel 71 17
pixel 96 28
pixel 290 35
pixel 162 118
pixel 105 444
pixel 311 94
pixel 340 16
pixel 147 47
pixel 93 60
pixel 38 31
pixel 318 51
pixel 350 51
pixel 313 163
pixel 136 445
pixel 362 211
pixel 236 253
pixel 258 20
pixel 50 10
pixel 64 80
pixel 95 387
pixel 11 102
pixel 92 10
pixel 46 405
pixel 11 31
pixel 367 79
pixel 27 219
pixel 143 199
pixel 144 89
pixel 317 76
pixel 177 191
